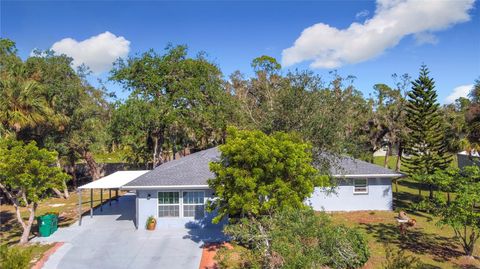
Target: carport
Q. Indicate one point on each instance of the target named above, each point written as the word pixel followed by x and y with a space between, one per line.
pixel 111 182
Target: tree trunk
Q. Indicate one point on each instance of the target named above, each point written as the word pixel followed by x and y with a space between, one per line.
pixel 65 191
pixel 399 157
pixel 155 153
pixel 28 225
pixel 72 169
pixel 91 164
pixel 174 151
pixel 430 189
pixel 387 154
pixel 58 193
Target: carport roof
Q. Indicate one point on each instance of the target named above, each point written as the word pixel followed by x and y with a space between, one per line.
pixel 115 180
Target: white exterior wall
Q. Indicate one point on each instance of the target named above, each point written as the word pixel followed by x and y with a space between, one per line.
pixel 379 197
pixel 149 207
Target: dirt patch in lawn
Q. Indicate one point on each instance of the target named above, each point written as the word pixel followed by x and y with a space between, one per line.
pixel 208 255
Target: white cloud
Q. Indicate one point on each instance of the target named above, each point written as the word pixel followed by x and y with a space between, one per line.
pixel 425 38
pixel 329 47
pixel 97 52
pixel 460 91
pixel 362 14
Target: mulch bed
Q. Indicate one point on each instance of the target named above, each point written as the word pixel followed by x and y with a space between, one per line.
pixel 208 255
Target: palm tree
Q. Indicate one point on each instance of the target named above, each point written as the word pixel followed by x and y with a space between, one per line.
pixel 22 104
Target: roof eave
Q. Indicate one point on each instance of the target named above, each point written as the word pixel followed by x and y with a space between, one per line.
pixel 370 175
pixel 166 187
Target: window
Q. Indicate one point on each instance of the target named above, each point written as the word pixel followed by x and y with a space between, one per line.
pixel 360 186
pixel 193 204
pixel 168 204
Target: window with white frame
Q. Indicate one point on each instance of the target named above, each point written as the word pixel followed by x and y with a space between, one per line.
pixel 193 204
pixel 360 186
pixel 168 204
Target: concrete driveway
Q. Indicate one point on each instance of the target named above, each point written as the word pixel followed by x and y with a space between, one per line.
pixel 110 240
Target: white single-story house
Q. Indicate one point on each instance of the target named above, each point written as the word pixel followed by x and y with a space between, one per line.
pixel 176 192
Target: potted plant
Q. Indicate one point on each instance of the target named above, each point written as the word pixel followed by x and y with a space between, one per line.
pixel 151 223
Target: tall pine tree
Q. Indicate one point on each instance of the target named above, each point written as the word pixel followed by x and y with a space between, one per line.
pixel 426 144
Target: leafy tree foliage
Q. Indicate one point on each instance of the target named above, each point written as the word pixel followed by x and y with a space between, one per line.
pixel 463 215
pixel 473 118
pixel 294 238
pixel 15 257
pixel 334 116
pixel 426 142
pixel 260 173
pixel 43 99
pixel 82 110
pixel 22 105
pixel 184 97
pixel 388 123
pixel 27 173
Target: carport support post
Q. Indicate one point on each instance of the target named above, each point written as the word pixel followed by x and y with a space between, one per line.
pixel 116 195
pixel 109 196
pixel 79 207
pixel 91 203
pixel 101 199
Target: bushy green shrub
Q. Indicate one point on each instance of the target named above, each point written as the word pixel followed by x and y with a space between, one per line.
pixel 15 257
pixel 299 239
pixel 343 247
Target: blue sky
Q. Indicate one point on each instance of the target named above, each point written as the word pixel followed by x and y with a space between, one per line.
pixel 234 32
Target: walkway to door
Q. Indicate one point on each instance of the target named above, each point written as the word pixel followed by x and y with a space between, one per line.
pixel 110 240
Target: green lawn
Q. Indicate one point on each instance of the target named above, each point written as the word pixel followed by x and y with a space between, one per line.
pixel 10 230
pixel 117 156
pixel 67 209
pixel 432 244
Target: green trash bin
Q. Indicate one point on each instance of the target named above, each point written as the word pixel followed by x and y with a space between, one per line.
pixel 45 225
pixel 54 223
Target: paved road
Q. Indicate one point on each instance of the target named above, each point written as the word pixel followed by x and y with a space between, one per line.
pixel 110 240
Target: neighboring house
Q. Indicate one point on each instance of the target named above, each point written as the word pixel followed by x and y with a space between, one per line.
pixel 176 191
pixel 465 158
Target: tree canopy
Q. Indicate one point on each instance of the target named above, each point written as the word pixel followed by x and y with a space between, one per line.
pixel 426 144
pixel 27 173
pixel 182 101
pixel 259 173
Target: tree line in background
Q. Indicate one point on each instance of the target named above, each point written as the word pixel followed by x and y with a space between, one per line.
pixel 178 104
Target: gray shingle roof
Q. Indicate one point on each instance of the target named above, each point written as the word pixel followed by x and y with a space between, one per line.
pixel 194 170
pixel 348 166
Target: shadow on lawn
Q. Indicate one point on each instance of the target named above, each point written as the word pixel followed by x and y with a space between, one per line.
pixel 403 200
pixel 10 230
pixel 441 248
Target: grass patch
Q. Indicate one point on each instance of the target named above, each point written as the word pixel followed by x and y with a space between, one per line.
pixel 67 209
pixel 117 156
pixel 435 246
